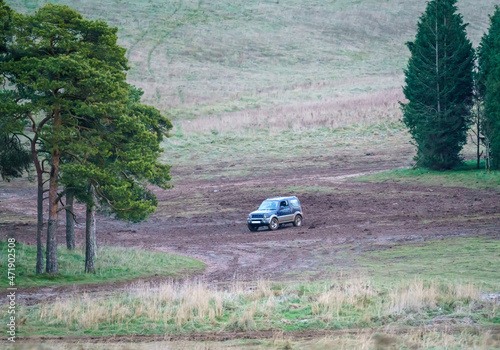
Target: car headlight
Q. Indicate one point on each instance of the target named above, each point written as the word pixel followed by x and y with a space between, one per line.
pixel 249 216
pixel 266 215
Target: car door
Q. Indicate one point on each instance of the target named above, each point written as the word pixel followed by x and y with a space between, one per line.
pixel 285 212
pixel 294 205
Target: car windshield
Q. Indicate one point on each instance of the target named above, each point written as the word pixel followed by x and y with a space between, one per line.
pixel 269 205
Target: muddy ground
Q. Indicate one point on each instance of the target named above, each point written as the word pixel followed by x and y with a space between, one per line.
pixel 206 218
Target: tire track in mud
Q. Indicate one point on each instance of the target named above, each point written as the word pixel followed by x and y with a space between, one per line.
pixel 343 213
pixel 264 334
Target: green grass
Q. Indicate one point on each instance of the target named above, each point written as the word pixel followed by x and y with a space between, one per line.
pixel 466 176
pixel 254 151
pixel 112 264
pixel 467 260
pixel 399 286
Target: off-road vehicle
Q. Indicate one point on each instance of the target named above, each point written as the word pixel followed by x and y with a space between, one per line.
pixel 274 212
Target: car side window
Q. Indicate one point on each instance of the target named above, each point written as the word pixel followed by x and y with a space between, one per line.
pixel 294 203
pixel 284 204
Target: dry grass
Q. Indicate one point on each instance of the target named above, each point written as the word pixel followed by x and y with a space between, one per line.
pixel 355 293
pixel 361 109
pixel 196 58
pixel 173 307
pixel 413 339
pixel 418 295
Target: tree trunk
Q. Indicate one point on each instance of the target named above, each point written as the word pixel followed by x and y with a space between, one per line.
pixel 478 138
pixel 52 266
pixel 39 223
pixel 90 234
pixel 39 226
pixel 438 94
pixel 487 157
pixel 70 221
pixel 94 228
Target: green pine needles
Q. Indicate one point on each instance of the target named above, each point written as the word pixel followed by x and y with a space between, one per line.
pixel 489 87
pixel 439 86
pixel 87 129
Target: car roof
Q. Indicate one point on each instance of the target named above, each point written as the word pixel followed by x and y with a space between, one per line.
pixel 280 198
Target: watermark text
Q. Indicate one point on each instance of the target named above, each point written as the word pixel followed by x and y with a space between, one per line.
pixel 11 290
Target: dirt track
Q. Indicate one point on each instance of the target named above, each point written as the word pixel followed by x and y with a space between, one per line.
pixel 264 334
pixel 206 219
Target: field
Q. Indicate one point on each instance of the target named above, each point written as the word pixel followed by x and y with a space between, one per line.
pixel 274 98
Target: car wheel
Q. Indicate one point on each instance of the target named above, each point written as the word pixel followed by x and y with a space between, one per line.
pixel 274 224
pixel 253 228
pixel 297 221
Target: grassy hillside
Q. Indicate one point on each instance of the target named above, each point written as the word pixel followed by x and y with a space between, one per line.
pixel 296 63
pixel 237 75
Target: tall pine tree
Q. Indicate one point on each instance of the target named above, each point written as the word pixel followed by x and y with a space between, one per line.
pixel 14 158
pixel 489 86
pixel 62 66
pixel 439 86
pixel 116 161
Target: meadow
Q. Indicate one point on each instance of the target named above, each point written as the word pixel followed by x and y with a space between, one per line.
pixel 412 285
pixel 247 61
pixel 113 264
pixel 274 96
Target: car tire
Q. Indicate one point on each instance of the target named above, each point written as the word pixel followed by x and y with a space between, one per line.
pixel 253 228
pixel 298 221
pixel 274 224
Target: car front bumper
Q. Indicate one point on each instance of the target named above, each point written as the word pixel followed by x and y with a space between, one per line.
pixel 259 221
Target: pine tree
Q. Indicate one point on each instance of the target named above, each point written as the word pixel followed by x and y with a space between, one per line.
pixel 6 27
pixel 489 87
pixel 439 86
pixel 62 66
pixel 116 163
pixel 14 158
pixel 87 123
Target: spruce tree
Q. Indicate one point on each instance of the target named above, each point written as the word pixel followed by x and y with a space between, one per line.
pixel 439 86
pixel 489 87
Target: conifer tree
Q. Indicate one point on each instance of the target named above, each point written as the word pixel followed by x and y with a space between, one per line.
pixel 87 124
pixel 439 86
pixel 117 161
pixel 489 87
pixel 62 67
pixel 14 158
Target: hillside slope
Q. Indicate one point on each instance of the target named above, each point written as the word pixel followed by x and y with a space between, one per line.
pixel 266 58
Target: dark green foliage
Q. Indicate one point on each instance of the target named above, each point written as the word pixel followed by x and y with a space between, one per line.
pixel 63 68
pixel 5 28
pixel 121 160
pixel 489 85
pixel 68 84
pixel 439 83
pixel 14 158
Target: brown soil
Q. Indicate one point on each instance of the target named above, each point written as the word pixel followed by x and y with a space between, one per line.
pixel 206 219
pixel 263 334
